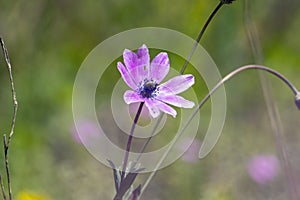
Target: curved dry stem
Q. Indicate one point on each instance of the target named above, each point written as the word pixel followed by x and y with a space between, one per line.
pixel 206 98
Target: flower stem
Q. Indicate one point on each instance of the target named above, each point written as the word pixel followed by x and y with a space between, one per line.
pixel 149 138
pixel 129 141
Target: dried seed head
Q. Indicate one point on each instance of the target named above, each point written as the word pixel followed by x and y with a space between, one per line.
pixel 297 100
pixel 227 1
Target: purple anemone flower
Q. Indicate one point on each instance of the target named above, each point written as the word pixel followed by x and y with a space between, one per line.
pixel 144 79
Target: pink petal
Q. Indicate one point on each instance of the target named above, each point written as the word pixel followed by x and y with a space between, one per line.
pixel 143 62
pixel 143 56
pixel 137 64
pixel 177 84
pixel 130 59
pixel 126 76
pixel 132 97
pixel 153 109
pixel 176 100
pixel 166 109
pixel 160 66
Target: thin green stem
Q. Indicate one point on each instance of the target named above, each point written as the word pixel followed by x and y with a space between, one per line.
pixel 149 138
pixel 138 113
pixel 200 36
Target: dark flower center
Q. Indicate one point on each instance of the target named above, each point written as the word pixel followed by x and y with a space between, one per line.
pixel 148 89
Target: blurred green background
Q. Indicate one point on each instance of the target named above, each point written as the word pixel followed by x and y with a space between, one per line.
pixel 48 40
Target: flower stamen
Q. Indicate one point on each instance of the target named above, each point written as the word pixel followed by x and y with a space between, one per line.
pixel 148 89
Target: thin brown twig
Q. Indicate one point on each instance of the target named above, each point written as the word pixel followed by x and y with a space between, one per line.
pixel 13 92
pixel 6 142
pixel 7 167
pixel 2 188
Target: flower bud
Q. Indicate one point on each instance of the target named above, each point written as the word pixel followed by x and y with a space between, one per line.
pixel 297 100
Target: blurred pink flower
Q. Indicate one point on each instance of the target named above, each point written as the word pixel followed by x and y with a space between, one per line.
pixel 191 154
pixel 263 168
pixel 84 130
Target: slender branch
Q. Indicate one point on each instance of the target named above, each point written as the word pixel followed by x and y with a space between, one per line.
pixel 2 188
pixel 7 167
pixel 15 108
pixel 13 92
pixel 200 36
pixel 149 138
pixel 204 100
pixel 130 139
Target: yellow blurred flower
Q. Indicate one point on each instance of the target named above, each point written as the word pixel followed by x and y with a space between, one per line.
pixel 218 193
pixel 31 196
